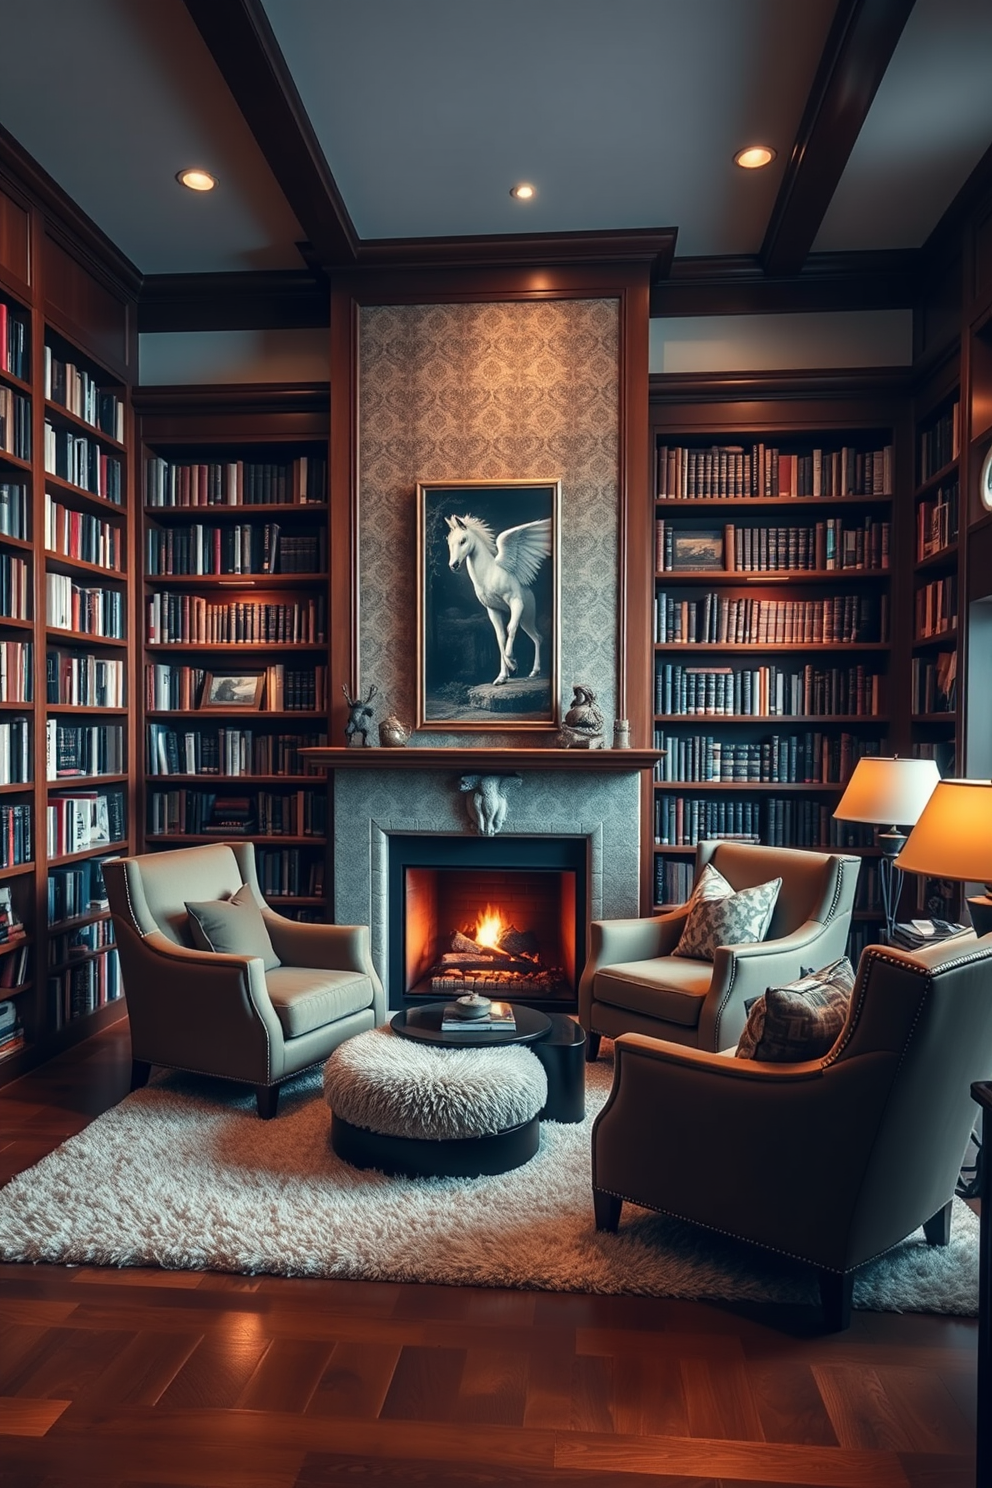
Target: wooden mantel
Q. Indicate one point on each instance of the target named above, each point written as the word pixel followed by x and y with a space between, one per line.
pixel 477 760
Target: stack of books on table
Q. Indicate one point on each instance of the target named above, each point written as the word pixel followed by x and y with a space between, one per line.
pixel 498 1018
pixel 913 935
pixel 11 1032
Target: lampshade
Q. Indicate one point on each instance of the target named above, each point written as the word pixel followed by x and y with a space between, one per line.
pixel 885 791
pixel 953 836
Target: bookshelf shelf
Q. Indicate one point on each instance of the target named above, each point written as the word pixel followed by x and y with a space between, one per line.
pixel 60 563
pixel 691 648
pixel 17 787
pixel 94 850
pixel 102 504
pixel 17 870
pixel 83 638
pixel 86 708
pixel 226 512
pixel 266 839
pixel 236 581
pixel 16 542
pixel 59 412
pixel 780 720
pixel 84 782
pixel 742 576
pixel 232 648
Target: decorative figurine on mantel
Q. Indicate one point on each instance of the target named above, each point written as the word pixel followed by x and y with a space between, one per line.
pixel 392 733
pixel 359 718
pixel 487 804
pixel 582 727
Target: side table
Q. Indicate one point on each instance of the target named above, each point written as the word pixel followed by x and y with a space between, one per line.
pixel 982 1093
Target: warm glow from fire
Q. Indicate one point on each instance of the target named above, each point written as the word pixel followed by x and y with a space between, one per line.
pixel 489 927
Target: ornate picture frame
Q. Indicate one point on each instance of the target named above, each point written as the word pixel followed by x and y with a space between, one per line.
pixel 488 605
pixel 240 690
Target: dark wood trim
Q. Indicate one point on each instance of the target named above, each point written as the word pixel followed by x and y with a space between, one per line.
pixel 210 399
pixel 278 299
pixel 473 757
pixel 832 382
pixel 738 285
pixel 858 50
pixel 244 46
pixel 67 223
pixel 652 245
pixel 342 534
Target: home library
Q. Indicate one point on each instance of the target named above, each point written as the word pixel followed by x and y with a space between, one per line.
pixel 65 782
pixel 235 548
pixel 773 533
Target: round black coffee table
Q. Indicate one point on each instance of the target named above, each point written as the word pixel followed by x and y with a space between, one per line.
pixel 424 1024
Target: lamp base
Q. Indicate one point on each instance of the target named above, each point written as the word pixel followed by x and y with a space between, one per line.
pixel 980 909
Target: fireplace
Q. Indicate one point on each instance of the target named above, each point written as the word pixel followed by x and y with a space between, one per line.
pixel 504 917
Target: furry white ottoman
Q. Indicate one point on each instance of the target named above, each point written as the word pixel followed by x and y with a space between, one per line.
pixel 415 1109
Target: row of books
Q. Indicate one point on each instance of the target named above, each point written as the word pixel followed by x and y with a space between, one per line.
pixel 935 607
pixel 717 619
pixel 767 691
pixel 11 1028
pixel 242 548
pixel 16 671
pixel 16 844
pixel 84 819
pixel 80 679
pixel 733 472
pixel 684 821
pixel 289 872
pixel 824 546
pixel 78 391
pixel 83 749
pixel 15 587
pixel 15 424
pixel 14 965
pixel 225 751
pixel 86 609
pixel 15 503
pixel 937 521
pixel 175 618
pixel 934 683
pixel 940 443
pixel 15 751
pixel 80 460
pixel 263 813
pixel 77 890
pixel 81 535
pixel 14 342
pixel 80 990
pixel 81 940
pixel 302 481
pixel 286 689
pixel 812 758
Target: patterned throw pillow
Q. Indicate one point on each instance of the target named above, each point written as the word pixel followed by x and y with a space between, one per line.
pixel 801 1020
pixel 727 919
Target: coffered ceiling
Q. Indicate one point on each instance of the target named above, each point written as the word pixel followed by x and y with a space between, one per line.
pixel 349 124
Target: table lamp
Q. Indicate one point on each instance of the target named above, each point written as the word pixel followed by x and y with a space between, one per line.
pixel 953 839
pixel 888 791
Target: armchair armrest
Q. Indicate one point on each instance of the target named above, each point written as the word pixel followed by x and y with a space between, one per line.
pixel 329 947
pixel 741 972
pixel 636 940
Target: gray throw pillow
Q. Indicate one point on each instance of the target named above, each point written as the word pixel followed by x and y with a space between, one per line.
pixel 801 1020
pixel 234 926
pixel 731 919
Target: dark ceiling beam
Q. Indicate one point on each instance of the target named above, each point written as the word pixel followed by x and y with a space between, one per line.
pixel 652 245
pixel 244 46
pixel 858 50
pixel 729 285
pixel 272 299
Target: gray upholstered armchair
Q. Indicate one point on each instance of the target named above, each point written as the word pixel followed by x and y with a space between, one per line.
pixel 633 984
pixel 224 1014
pixel 832 1161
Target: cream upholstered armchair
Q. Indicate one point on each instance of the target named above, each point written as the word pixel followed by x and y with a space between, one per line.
pixel 832 1161
pixel 633 984
pixel 258 1014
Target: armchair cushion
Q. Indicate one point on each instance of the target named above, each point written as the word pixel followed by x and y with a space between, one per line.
pixel 799 1021
pixel 660 988
pixel 727 919
pixel 234 926
pixel 305 999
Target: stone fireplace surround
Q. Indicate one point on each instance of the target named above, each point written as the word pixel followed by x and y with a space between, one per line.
pixel 376 793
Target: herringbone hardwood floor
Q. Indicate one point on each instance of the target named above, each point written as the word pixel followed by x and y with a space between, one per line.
pixel 119 1378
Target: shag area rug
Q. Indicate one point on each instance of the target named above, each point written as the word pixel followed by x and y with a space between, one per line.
pixel 183 1175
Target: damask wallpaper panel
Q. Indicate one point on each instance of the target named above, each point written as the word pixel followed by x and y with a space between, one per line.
pixel 501 391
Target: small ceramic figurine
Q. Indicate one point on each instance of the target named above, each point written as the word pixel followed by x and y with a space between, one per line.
pixel 487 803
pixel 582 727
pixel 359 718
pixel 392 733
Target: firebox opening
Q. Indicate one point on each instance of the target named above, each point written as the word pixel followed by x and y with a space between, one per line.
pixel 506 919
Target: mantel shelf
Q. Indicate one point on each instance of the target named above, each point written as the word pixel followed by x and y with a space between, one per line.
pixel 493 760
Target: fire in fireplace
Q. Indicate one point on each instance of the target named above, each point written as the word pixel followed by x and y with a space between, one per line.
pixel 504 919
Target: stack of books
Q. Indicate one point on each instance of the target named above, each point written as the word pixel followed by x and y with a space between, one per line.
pixel 11 1032
pixel 914 934
pixel 499 1017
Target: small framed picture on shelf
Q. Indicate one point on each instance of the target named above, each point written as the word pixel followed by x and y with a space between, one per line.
pixel 697 550
pixel 233 690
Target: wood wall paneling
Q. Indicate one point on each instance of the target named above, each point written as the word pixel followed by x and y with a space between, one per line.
pixel 90 312
pixel 15 237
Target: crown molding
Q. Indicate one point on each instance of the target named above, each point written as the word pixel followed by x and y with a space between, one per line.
pixel 652 245
pixel 275 299
pixel 738 285
pixel 814 382
pixel 182 399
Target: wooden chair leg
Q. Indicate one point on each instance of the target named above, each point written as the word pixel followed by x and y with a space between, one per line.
pixel 592 1047
pixel 836 1295
pixel 140 1070
pixel 937 1228
pixel 267 1101
pixel 607 1208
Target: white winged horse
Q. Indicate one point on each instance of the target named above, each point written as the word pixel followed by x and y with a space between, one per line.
pixel 502 570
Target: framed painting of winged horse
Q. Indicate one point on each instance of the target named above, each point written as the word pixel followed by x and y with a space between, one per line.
pixel 487 603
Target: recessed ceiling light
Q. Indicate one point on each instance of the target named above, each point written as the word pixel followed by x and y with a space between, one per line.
pixel 523 192
pixel 753 157
pixel 196 179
